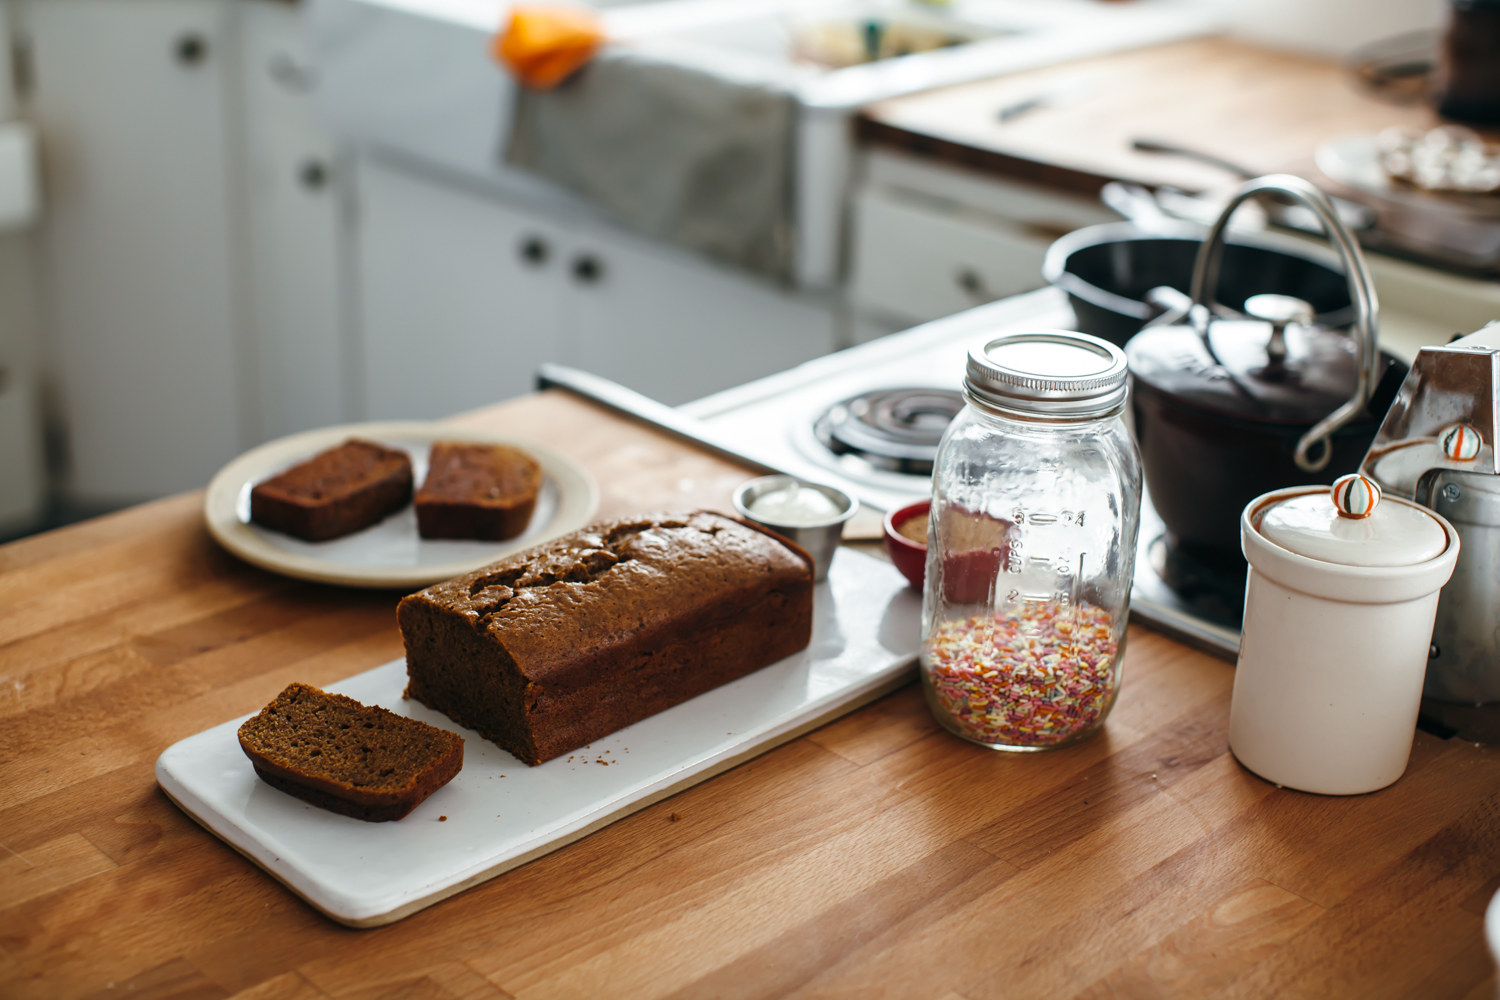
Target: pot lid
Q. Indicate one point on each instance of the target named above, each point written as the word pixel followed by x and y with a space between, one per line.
pixel 1281 371
pixel 1348 524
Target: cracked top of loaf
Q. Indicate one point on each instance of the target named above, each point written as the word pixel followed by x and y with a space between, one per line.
pixel 597 587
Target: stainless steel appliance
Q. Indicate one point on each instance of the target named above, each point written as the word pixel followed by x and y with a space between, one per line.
pixel 1437 447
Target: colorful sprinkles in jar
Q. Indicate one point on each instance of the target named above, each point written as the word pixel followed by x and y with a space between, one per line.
pixel 1031 679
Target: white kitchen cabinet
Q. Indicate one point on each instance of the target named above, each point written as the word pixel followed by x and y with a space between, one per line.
pixel 921 261
pixel 677 328
pixel 294 183
pixel 463 294
pixel 931 239
pixel 191 259
pixel 460 296
pixel 22 471
pixel 21 468
pixel 132 99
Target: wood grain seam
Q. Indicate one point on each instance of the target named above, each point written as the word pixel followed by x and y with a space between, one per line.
pixel 506 994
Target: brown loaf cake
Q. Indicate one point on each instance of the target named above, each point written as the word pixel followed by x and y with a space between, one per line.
pixel 353 759
pixel 483 491
pixel 555 647
pixel 334 493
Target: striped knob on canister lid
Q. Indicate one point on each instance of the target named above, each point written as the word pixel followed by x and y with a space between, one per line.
pixel 1355 495
pixel 1460 442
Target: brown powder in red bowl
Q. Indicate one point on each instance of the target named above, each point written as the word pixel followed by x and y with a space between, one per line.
pixel 914 529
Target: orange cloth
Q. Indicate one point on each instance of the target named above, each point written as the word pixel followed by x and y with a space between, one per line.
pixel 543 46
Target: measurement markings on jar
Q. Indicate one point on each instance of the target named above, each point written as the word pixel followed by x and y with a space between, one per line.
pixel 1047 580
pixel 1022 516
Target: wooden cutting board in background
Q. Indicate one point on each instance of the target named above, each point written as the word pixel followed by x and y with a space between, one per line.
pixel 1265 110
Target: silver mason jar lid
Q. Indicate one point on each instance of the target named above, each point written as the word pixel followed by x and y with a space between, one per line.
pixel 1049 374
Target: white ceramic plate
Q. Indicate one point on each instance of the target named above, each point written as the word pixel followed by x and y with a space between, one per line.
pixel 391 553
pixel 1492 928
pixel 501 813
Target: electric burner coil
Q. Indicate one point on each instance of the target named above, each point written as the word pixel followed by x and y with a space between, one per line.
pixel 895 430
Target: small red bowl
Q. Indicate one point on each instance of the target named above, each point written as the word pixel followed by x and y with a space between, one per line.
pixel 910 557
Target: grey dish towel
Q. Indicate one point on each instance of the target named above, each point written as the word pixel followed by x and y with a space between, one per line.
pixel 676 152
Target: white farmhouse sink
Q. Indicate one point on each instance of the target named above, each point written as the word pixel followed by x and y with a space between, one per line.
pixel 414 77
pixel 763 37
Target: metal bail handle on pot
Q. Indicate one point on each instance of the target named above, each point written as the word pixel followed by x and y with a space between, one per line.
pixel 1230 405
pixel 1361 294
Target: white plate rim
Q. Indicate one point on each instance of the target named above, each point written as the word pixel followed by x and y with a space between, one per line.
pixel 577 504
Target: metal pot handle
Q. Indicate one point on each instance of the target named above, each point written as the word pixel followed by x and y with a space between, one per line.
pixel 1361 292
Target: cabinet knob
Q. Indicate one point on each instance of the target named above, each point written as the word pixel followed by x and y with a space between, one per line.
pixel 313 174
pixel 972 284
pixel 534 251
pixel 191 49
pixel 588 269
pixel 290 73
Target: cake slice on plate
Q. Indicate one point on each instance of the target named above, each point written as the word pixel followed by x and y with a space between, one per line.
pixel 336 492
pixel 480 491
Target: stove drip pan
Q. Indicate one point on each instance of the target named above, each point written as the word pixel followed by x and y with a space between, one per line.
pixel 893 430
pixel 1210 582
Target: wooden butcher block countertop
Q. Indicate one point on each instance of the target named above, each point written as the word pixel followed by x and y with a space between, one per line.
pixel 875 857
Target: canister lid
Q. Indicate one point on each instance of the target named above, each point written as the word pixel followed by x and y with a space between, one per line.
pixel 1349 525
pixel 1049 372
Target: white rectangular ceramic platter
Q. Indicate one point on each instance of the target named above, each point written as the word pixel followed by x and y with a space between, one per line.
pixel 501 813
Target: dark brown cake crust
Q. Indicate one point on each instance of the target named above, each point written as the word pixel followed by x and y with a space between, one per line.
pixel 336 492
pixel 551 649
pixel 358 760
pixel 483 491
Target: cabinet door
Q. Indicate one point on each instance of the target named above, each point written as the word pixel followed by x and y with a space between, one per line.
pixel 129 97
pixel 21 471
pixel 293 185
pixel 459 296
pixel 22 478
pixel 915 263
pixel 676 328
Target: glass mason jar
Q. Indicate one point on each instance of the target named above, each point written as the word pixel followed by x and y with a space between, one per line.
pixel 1036 499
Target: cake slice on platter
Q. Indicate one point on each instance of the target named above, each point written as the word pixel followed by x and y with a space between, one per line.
pixel 359 760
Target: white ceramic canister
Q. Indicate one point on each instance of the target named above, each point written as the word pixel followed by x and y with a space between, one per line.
pixel 1339 606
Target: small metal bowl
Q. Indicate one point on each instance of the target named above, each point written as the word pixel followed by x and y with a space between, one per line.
pixel 820 538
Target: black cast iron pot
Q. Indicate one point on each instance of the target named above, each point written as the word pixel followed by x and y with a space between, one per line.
pixel 1204 466
pixel 1231 405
